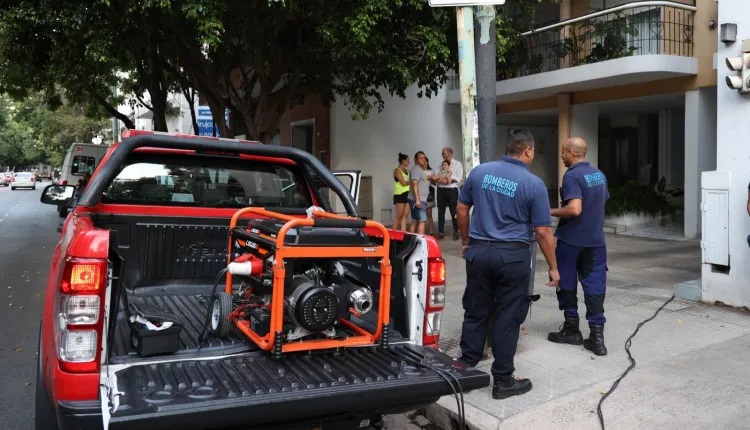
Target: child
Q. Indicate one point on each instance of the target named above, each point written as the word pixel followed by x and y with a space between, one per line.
pixel 444 176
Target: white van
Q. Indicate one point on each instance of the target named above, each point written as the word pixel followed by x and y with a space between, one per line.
pixel 80 159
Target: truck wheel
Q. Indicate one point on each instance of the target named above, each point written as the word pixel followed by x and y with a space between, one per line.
pixel 221 308
pixel 45 417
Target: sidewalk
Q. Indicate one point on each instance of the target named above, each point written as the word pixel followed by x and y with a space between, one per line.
pixel 692 360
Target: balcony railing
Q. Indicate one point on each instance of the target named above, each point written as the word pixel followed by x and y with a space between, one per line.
pixel 638 28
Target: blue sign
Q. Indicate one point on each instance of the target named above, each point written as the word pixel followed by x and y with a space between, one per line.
pixel 206 121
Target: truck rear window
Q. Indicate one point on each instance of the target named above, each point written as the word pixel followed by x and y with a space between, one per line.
pixel 206 182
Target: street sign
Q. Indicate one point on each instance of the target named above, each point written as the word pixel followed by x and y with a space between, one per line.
pixel 206 121
pixel 458 3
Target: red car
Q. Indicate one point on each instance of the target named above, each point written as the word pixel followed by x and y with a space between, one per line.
pixel 126 340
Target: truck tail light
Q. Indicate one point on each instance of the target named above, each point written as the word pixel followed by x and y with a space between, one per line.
pixel 79 314
pixel 435 301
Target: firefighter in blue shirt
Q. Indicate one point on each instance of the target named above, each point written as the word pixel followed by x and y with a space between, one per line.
pixel 581 251
pixel 510 205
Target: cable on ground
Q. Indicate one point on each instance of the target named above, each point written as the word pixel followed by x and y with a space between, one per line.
pixel 628 343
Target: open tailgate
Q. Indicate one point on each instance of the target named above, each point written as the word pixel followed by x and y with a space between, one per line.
pixel 255 390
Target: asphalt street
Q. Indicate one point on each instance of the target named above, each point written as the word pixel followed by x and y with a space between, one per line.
pixel 28 236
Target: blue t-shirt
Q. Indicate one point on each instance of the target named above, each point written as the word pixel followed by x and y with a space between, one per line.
pixel 508 200
pixel 585 182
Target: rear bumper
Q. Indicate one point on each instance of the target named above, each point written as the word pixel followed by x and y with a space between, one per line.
pixel 80 415
pixel 255 392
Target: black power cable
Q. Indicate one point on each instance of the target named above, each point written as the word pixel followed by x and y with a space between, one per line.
pixel 204 332
pixel 458 393
pixel 628 343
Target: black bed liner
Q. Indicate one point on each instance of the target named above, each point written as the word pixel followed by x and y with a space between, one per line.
pixel 191 310
pixel 255 390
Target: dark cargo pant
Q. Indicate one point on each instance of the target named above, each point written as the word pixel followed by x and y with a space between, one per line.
pixel 497 279
pixel 589 265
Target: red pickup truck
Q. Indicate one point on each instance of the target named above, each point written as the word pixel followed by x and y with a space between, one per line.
pixel 150 232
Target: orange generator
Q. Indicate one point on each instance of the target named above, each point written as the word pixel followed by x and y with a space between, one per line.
pixel 296 290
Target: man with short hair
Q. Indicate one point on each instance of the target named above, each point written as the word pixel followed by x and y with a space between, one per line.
pixel 581 249
pixel 447 193
pixel 510 204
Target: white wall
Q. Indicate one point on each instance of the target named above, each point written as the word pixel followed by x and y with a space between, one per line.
pixel 700 151
pixel 545 161
pixel 733 153
pixel 405 125
pixel 584 122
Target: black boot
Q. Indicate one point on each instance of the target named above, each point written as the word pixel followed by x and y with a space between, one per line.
pixel 508 387
pixel 569 333
pixel 595 342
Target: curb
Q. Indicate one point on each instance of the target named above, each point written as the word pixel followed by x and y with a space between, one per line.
pixel 444 414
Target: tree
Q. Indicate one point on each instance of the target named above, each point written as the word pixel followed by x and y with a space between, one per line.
pixel 256 57
pixel 260 57
pixel 45 134
pixel 60 48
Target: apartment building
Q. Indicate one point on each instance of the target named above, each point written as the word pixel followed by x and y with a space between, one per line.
pixel 637 79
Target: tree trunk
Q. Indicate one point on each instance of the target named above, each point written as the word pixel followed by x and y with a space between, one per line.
pixel 157 85
pixel 112 111
pixel 189 94
pixel 217 111
pixel 159 103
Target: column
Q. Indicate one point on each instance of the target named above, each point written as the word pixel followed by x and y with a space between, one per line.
pixel 700 151
pixel 665 129
pixel 566 9
pixel 730 283
pixel 584 122
pixel 563 133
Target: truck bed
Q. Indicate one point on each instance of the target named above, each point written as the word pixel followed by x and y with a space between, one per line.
pixel 228 392
pixel 190 308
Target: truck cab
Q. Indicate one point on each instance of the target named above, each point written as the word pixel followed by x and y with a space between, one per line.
pixel 150 232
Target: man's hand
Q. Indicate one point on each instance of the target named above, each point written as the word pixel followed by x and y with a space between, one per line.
pixel 554 277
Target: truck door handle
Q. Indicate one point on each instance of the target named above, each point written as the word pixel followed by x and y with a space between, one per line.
pixel 420 270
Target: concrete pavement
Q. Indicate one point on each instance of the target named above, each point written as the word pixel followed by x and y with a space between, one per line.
pixel 691 359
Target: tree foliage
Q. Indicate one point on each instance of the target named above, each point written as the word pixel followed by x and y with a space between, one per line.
pixel 256 58
pixel 31 132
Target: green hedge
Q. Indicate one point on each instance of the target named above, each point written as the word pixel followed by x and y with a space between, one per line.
pixel 632 198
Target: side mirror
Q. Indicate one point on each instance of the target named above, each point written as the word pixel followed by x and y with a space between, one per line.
pixel 58 194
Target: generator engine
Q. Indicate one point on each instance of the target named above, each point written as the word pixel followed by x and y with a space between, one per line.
pixel 301 288
pixel 318 292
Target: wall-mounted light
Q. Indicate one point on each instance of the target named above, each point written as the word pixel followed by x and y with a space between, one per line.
pixel 712 24
pixel 728 33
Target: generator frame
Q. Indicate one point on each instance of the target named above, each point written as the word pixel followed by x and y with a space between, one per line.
pixel 274 340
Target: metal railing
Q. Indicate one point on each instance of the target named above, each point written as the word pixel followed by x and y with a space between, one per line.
pixel 637 28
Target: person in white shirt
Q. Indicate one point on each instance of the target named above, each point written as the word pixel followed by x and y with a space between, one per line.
pixel 447 193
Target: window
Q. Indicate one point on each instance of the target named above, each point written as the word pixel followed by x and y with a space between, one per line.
pixel 206 182
pixel 82 165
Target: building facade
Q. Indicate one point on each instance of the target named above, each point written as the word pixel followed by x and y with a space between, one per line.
pixel 637 79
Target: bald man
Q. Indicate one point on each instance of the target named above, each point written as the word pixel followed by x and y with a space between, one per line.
pixel 581 250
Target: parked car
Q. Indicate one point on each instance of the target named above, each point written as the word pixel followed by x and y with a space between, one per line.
pixel 5 178
pixel 148 236
pixel 23 180
pixel 80 159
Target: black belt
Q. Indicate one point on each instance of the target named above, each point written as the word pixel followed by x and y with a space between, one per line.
pixel 499 243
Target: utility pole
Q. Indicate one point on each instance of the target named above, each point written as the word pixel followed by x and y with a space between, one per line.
pixel 467 87
pixel 486 70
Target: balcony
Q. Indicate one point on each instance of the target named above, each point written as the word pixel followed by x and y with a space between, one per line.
pixel 640 41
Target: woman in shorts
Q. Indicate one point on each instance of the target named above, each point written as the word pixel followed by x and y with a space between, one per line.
pixel 401 192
